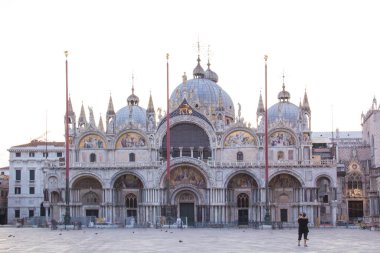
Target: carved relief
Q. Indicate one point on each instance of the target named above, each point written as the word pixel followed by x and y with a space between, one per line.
pixel 239 138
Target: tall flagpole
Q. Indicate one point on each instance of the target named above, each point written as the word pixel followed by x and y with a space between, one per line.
pixel 167 138
pixel 67 194
pixel 267 210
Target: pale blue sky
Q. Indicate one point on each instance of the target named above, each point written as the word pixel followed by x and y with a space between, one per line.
pixel 329 48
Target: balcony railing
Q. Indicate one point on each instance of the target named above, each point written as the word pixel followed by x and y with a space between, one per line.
pixel 212 163
pixel 308 163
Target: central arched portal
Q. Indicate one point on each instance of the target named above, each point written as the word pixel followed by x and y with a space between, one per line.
pixel 243 198
pixel 186 205
pixel 189 185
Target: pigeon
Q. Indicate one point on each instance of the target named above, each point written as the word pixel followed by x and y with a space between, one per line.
pixel 180 241
pixel 10 235
pixel 60 234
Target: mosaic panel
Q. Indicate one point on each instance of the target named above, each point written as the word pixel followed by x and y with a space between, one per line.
pixel 239 138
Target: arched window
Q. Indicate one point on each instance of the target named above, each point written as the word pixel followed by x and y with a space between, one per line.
pixel 132 157
pixel 242 200
pixel 131 201
pixel 239 156
pixel 92 158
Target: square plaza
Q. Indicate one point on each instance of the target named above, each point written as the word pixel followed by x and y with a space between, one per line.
pixel 185 240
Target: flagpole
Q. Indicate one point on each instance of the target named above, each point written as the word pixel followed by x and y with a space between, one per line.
pixel 168 211
pixel 267 218
pixel 67 193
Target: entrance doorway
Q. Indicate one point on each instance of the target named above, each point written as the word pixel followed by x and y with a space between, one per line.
pixel 131 213
pixel 243 217
pixel 355 210
pixel 187 210
pixel 92 212
pixel 284 215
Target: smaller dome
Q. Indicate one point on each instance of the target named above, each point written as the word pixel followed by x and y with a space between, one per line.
pixel 198 72
pixel 283 95
pixel 211 75
pixel 130 113
pixel 133 99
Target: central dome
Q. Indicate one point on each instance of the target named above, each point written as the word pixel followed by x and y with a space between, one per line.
pixel 204 95
pixel 130 113
pixel 283 111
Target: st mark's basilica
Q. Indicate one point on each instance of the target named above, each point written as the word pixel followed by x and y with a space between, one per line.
pixel 217 168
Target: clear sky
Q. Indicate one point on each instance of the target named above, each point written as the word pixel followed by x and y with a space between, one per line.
pixel 330 48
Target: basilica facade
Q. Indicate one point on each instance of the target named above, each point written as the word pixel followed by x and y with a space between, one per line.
pixel 118 168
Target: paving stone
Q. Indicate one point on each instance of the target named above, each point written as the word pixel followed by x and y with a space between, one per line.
pixel 185 240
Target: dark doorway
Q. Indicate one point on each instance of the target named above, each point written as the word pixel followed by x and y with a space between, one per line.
pixel 92 212
pixel 131 213
pixel 243 217
pixel 187 210
pixel 355 209
pixel 284 215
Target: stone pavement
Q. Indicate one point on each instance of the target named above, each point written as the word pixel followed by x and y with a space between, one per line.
pixel 186 240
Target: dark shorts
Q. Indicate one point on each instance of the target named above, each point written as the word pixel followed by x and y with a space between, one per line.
pixel 300 235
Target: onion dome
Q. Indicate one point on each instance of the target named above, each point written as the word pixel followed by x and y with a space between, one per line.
pixel 198 72
pixel 211 75
pixel 133 99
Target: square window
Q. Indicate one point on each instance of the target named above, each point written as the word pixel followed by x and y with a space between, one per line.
pixel 31 190
pixel 45 154
pixel 18 154
pixel 59 154
pixel 31 154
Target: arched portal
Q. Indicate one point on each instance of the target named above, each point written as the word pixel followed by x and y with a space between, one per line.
pixel 284 192
pixel 186 202
pixel 243 198
pixel 127 189
pixel 324 194
pixel 188 188
pixel 87 190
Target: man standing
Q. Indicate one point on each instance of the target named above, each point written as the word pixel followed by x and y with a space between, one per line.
pixel 302 228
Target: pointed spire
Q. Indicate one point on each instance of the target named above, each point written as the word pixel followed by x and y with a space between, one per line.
pixel 374 103
pixel 100 125
pixel 82 121
pixel 70 106
pixel 198 72
pixel 150 104
pixel 110 110
pixel 305 104
pixel 260 106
